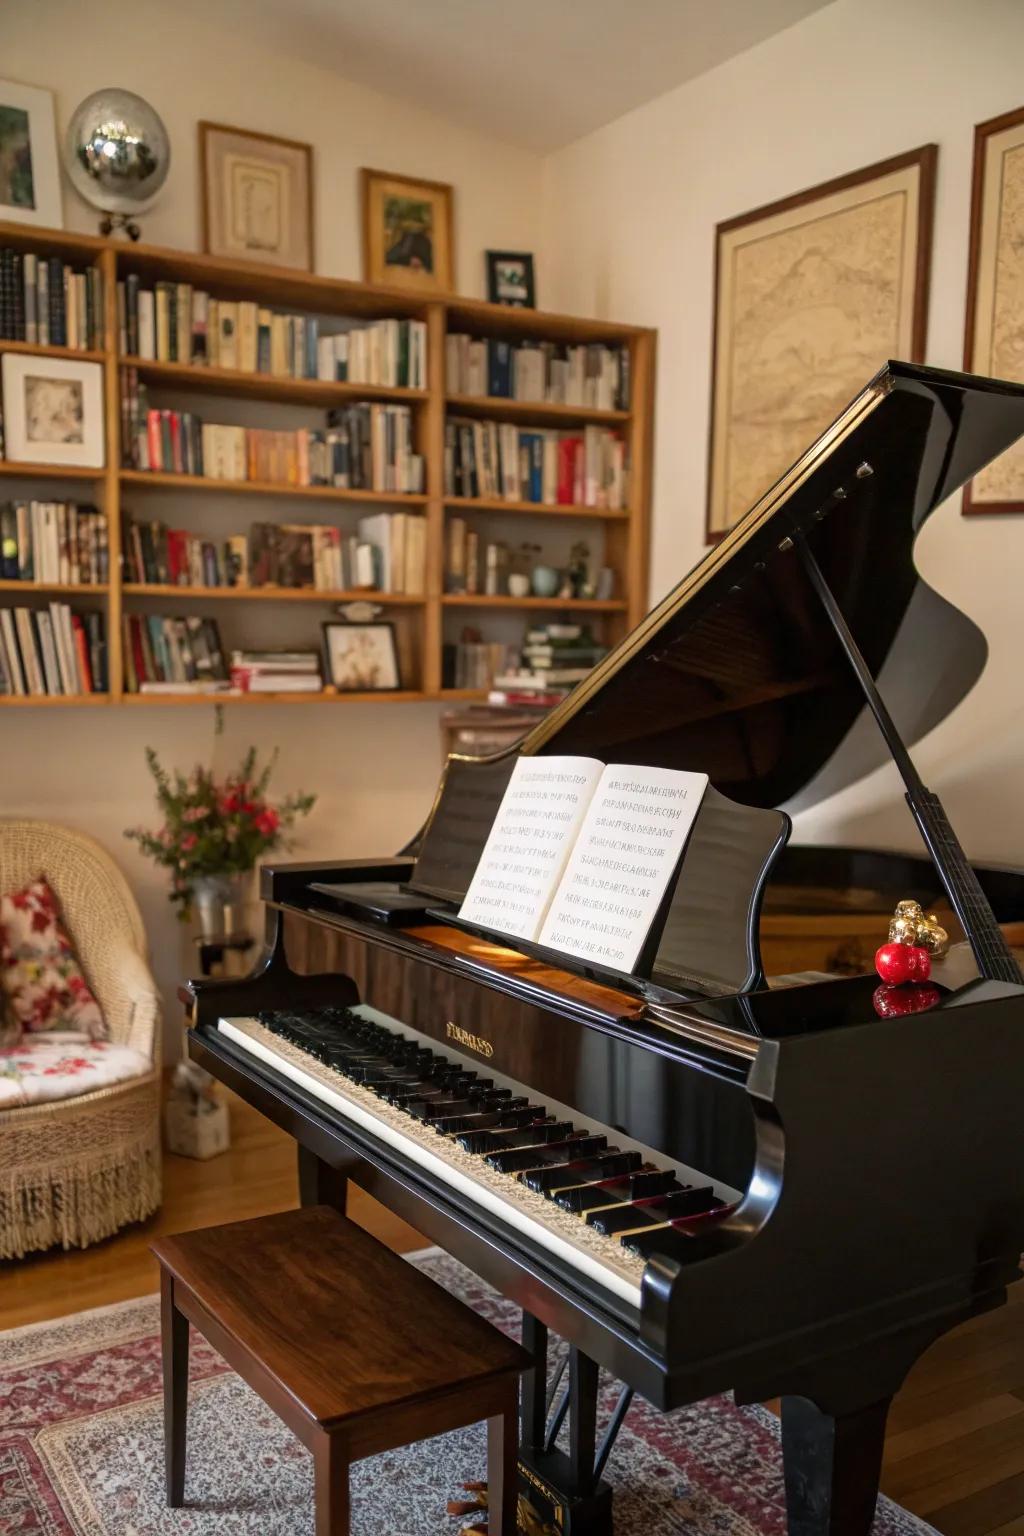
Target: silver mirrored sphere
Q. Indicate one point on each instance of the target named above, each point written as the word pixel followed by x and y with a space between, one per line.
pixel 117 152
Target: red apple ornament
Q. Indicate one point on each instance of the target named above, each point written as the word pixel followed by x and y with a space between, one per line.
pixel 900 963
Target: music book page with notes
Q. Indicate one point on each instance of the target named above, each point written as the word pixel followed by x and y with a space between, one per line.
pixel 581 855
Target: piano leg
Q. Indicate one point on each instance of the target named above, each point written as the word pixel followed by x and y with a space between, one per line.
pixel 533 1397
pixel 832 1465
pixel 320 1183
pixel 582 1420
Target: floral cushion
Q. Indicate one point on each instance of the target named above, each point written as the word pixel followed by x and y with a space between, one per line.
pixel 42 982
pixel 54 1066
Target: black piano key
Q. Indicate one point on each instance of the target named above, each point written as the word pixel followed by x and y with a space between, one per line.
pixel 543 1180
pixel 672 1238
pixel 521 1128
pixel 603 1192
pixel 682 1202
pixel 551 1152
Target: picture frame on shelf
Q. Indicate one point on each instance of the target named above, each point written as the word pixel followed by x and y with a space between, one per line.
pixel 812 294
pixel 408 232
pixel 995 292
pixel 53 411
pixel 361 658
pixel 29 168
pixel 510 279
pixel 256 196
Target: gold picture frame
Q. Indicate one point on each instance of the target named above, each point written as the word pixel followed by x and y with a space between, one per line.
pixel 812 295
pixel 408 232
pixel 994 335
pixel 257 196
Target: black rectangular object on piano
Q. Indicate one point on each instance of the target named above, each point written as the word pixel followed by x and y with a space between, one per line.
pixel 385 901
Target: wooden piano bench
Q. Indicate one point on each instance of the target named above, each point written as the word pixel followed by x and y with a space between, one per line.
pixel 351 1346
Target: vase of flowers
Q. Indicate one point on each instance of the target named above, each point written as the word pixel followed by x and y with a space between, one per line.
pixel 214 832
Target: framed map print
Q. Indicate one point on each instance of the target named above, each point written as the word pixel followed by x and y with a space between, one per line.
pixel 994 343
pixel 257 196
pixel 812 295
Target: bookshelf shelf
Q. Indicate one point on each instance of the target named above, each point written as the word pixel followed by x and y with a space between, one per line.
pixel 161 478
pixel 265 594
pixel 70 588
pixel 424 624
pixel 12 701
pixel 530 604
pixel 405 696
pixel 534 508
pixel 21 471
pixel 71 354
pixel 535 412
pixel 265 386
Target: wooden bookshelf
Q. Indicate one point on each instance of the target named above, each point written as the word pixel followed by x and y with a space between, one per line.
pixel 420 621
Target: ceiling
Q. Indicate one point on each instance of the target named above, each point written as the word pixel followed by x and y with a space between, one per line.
pixel 538 73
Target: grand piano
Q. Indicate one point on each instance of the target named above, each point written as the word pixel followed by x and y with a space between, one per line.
pixel 701 1177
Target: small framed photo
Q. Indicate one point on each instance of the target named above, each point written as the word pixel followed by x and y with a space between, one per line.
pixel 53 411
pixel 510 279
pixel 361 658
pixel 257 196
pixel 29 174
pixel 408 238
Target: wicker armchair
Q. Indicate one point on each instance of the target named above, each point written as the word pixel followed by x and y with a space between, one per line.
pixel 76 1170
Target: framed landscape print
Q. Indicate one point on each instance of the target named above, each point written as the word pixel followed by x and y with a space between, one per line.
pixel 407 232
pixel 994 343
pixel 53 411
pixel 29 176
pixel 510 279
pixel 812 295
pixel 257 196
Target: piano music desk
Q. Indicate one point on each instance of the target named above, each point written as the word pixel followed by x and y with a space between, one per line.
pixel 353 1348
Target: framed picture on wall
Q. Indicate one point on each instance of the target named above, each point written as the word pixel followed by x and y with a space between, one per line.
pixel 29 175
pixel 510 279
pixel 53 410
pixel 994 341
pixel 408 238
pixel 361 658
pixel 257 196
pixel 812 295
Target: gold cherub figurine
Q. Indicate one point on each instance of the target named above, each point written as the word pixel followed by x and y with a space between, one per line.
pixel 911 926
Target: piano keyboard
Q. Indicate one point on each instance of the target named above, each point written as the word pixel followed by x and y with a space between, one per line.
pixel 595 1198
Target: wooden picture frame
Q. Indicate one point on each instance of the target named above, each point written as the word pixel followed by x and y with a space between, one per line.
pixel 29 169
pixel 256 197
pixel 408 232
pixel 53 410
pixel 799 328
pixel 506 285
pixel 369 664
pixel 993 334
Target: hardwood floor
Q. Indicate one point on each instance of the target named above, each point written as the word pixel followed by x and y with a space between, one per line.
pixel 955 1449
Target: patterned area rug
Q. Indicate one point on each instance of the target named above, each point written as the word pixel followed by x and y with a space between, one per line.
pixel 81 1448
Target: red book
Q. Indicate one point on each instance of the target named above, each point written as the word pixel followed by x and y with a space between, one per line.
pixel 156 458
pixel 176 458
pixel 565 491
pixel 135 631
pixel 175 555
pixel 82 650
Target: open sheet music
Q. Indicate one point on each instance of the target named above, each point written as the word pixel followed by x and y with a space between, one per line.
pixel 580 855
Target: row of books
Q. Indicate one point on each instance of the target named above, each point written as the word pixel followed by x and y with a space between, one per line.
pixel 171 655
pixel 53 541
pixel 553 659
pixel 365 446
pixel 177 323
pixel 387 553
pixel 46 302
pixel 593 376
pixel 473 663
pixel 471 566
pixel 52 652
pixel 503 462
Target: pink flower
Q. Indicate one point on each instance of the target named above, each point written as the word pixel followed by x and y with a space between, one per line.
pixel 195 813
pixel 267 822
pixel 188 842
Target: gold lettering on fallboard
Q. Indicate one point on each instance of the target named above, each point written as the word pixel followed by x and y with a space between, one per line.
pixel 471 1042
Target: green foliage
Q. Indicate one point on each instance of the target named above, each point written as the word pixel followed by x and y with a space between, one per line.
pixel 212 827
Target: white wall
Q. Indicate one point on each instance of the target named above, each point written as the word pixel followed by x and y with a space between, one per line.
pixel 631 212
pixel 374 767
